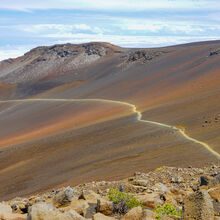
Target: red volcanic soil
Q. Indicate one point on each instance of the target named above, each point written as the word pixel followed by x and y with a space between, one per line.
pixel 45 144
pixel 6 91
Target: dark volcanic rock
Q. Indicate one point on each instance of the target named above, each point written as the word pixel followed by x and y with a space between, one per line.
pixel 215 52
pixel 204 181
pixel 143 55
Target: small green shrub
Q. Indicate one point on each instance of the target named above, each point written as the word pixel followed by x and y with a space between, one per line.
pixel 165 210
pixel 122 201
pixel 81 185
pixel 197 183
pixel 159 169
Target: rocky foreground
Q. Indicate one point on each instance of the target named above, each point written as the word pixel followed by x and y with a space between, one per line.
pixel 166 193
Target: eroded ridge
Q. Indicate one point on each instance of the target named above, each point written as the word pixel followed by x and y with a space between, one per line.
pixel 134 110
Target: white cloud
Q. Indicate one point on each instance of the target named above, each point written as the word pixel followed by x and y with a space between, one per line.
pixel 214 17
pixel 169 26
pixel 131 26
pixel 82 27
pixel 61 28
pixel 10 51
pixel 119 5
pixel 130 41
pixel 124 26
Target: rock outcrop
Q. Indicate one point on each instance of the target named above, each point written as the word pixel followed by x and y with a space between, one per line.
pixel 134 214
pixel 46 211
pixel 143 56
pixel 7 214
pixel 53 61
pixel 63 197
pixel 198 206
pixel 215 52
pixel 162 193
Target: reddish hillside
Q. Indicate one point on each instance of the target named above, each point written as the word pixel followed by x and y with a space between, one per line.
pixel 46 143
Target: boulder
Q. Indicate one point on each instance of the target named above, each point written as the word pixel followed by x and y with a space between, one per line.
pixel 134 214
pixel 46 211
pixel 161 188
pixel 104 206
pixel 216 180
pixel 149 215
pixel 208 181
pixel 198 206
pixel 215 193
pixel 15 207
pixel 175 196
pixel 91 210
pixel 216 207
pixel 205 181
pixel 22 207
pixel 150 200
pixel 19 205
pixel 100 216
pixel 140 182
pixel 5 208
pixel 130 188
pixel 75 216
pixel 79 205
pixel 85 204
pixel 36 199
pixel 64 197
pixel 90 196
pixel 6 213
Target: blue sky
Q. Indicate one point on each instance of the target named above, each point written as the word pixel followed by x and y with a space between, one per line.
pixel 25 24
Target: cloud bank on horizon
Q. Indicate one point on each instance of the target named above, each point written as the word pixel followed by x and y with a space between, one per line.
pixel 25 24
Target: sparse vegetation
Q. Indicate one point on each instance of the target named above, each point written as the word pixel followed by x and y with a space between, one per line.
pixel 123 201
pixel 182 127
pixel 197 183
pixel 159 169
pixel 165 210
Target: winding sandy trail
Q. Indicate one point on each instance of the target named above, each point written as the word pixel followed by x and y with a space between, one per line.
pixel 134 110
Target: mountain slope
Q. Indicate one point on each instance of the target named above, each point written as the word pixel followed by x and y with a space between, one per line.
pixel 59 142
